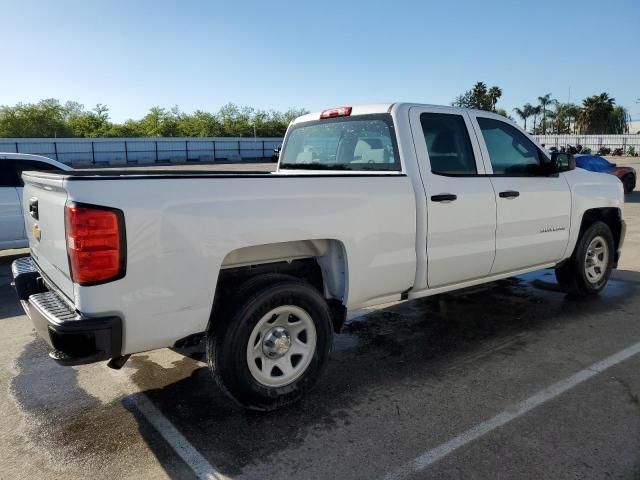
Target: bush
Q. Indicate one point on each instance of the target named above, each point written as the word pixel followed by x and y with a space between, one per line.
pixel 573 150
pixel 631 151
pixel 604 151
pixel 586 151
pixel 617 152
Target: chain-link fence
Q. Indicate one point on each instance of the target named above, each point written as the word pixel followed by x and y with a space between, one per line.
pixel 142 151
pixel 593 142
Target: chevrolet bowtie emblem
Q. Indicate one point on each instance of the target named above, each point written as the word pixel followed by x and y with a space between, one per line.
pixel 37 233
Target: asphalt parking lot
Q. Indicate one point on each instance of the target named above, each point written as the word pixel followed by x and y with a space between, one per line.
pixel 511 380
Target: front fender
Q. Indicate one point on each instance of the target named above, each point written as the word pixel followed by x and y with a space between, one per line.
pixel 590 192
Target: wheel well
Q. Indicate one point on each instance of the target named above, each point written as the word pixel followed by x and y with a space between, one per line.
pixel 325 270
pixel 609 215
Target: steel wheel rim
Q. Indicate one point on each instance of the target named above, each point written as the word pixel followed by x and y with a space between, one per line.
pixel 281 346
pixel 596 260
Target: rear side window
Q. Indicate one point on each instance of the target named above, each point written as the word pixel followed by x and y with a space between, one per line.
pixel 448 144
pixel 511 152
pixel 31 165
pixel 8 176
pixel 365 142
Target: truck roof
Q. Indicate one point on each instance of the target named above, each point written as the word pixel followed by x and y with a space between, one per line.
pixel 373 108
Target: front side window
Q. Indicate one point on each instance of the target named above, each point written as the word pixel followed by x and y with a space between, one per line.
pixel 365 142
pixel 511 152
pixel 448 144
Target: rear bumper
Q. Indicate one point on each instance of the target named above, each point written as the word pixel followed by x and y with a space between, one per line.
pixel 75 339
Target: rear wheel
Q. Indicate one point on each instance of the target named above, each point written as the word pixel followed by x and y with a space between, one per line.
pixel 272 344
pixel 629 183
pixel 588 270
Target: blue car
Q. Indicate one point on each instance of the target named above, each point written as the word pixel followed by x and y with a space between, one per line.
pixel 596 163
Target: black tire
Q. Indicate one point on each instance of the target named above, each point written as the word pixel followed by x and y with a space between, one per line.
pixel 629 183
pixel 228 337
pixel 572 275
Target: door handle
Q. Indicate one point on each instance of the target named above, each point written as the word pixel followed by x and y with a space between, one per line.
pixel 509 194
pixel 33 208
pixel 444 197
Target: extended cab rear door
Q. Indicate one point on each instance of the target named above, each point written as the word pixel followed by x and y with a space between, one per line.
pixel 533 208
pixel 461 204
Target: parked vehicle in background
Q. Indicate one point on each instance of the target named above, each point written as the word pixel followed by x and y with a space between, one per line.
pixel 369 205
pixel 12 230
pixel 275 156
pixel 596 163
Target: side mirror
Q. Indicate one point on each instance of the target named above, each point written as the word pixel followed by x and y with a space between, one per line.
pixel 562 162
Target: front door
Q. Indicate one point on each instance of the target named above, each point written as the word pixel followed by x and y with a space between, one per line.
pixel 534 208
pixel 461 205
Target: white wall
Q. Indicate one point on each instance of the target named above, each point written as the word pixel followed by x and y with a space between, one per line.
pixel 120 151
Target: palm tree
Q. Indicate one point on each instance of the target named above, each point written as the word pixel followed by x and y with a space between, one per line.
pixel 561 118
pixel 494 94
pixel 524 113
pixel 535 111
pixel 619 120
pixel 573 111
pixel 545 101
pixel 595 114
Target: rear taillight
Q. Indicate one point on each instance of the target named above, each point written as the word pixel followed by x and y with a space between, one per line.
pixel 95 243
pixel 336 112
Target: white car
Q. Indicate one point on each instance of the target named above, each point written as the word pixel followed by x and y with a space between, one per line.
pixel 12 232
pixel 369 205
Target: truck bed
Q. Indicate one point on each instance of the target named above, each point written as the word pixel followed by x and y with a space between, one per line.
pixel 183 227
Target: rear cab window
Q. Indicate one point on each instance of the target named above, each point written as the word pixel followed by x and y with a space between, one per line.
pixel 11 171
pixel 31 165
pixel 362 142
pixel 8 175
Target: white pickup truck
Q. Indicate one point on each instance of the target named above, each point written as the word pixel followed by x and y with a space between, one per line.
pixel 369 205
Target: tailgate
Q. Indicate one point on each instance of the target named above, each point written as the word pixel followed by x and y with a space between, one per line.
pixel 43 203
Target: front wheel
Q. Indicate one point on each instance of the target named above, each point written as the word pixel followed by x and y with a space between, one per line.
pixel 629 183
pixel 588 270
pixel 274 346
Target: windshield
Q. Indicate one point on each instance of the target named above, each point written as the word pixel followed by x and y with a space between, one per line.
pixel 365 142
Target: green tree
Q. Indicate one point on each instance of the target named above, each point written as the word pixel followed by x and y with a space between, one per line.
pixel 47 118
pixel 94 123
pixel 619 120
pixel 493 95
pixel 596 114
pixel 545 101
pixel 479 97
pixel 524 113
pixel 535 112
pixel 50 118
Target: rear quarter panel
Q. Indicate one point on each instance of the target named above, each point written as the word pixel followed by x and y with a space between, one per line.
pixel 180 230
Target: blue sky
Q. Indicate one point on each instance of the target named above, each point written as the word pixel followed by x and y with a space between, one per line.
pixel 132 55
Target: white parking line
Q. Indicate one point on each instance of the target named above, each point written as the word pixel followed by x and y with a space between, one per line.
pixel 429 457
pixel 185 450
